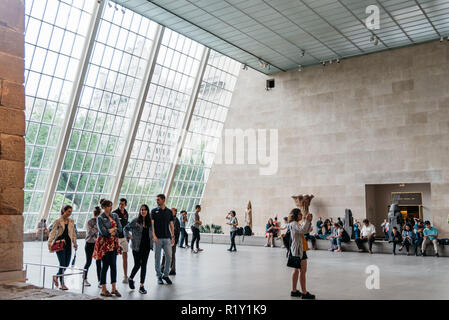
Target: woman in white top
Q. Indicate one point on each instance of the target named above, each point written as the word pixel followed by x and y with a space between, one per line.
pixel 298 248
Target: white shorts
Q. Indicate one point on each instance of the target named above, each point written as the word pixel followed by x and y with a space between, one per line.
pixel 123 243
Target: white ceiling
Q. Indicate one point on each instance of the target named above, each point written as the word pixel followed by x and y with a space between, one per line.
pixel 276 31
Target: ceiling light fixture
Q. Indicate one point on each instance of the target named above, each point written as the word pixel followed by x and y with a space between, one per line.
pixel 244 66
pixel 303 53
pixel 299 67
pixel 338 60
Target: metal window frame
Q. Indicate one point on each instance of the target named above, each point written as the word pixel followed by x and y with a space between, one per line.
pixel 187 121
pixel 72 107
pixel 123 164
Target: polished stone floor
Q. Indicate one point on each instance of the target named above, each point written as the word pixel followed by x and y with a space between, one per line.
pixel 261 273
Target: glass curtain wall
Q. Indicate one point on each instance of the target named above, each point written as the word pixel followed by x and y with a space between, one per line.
pixel 55 33
pixel 204 132
pixel 165 108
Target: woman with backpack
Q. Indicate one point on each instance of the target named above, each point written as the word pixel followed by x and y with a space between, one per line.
pixel 297 254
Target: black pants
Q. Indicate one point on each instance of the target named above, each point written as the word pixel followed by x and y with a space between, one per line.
pixel 395 243
pixel 233 234
pixel 195 237
pixel 140 262
pixel 360 242
pixel 311 238
pixel 109 260
pixel 406 243
pixel 64 259
pixel 89 249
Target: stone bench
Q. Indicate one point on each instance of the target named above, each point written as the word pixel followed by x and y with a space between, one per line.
pixel 379 246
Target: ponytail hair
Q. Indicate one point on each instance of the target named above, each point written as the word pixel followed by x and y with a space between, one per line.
pixel 104 203
pixel 97 211
pixel 65 208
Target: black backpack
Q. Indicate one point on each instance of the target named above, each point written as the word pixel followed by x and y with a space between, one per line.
pixel 345 236
pixel 239 231
pixel 247 231
pixel 287 239
pixel 444 241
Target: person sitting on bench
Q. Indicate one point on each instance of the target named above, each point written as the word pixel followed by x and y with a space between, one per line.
pixel 336 238
pixel 407 238
pixel 430 235
pixel 367 234
pixel 395 239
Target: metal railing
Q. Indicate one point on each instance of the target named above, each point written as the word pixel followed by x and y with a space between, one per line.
pixel 82 272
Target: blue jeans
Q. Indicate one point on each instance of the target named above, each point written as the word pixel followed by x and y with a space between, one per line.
pixel 184 236
pixel 162 244
pixel 336 242
pixel 64 259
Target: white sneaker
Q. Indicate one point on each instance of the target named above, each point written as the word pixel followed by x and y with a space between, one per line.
pixel 125 280
pixel 267 245
pixel 86 283
pixel 99 285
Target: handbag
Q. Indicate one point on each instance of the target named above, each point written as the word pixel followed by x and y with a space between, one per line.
pixel 58 245
pixel 293 261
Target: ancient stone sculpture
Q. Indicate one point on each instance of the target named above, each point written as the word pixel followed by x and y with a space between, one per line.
pixel 348 222
pixel 394 217
pixel 249 215
pixel 303 202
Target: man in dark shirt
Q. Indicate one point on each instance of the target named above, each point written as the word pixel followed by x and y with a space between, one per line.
pixel 177 229
pixel 123 242
pixel 164 237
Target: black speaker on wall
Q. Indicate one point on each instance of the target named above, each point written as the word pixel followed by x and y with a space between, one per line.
pixel 270 84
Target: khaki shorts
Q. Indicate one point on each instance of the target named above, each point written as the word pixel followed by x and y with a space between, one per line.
pixel 123 243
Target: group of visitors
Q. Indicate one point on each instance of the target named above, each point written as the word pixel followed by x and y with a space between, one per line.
pixel 412 232
pixel 108 235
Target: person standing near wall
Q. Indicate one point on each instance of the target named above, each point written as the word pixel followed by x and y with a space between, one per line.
pixel 63 230
pixel 141 244
pixel 107 246
pixel 164 237
pixel 298 248
pixel 122 240
pixel 196 230
pixel 91 238
pixel 183 224
pixel 233 222
pixel 177 229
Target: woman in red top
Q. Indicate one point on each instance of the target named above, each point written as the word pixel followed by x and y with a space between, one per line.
pixel 107 246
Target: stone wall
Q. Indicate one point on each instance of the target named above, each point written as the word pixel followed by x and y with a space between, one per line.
pixel 381 118
pixel 12 143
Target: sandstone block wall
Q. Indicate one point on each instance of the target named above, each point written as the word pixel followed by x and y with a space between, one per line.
pixel 12 143
pixel 381 118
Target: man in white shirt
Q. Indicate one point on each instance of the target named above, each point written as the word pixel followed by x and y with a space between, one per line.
pixel 367 234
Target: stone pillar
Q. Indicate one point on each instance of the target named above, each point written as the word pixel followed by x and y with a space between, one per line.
pixel 12 143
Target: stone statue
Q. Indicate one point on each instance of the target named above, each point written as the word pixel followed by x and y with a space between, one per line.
pixel 348 223
pixel 394 217
pixel 303 202
pixel 249 216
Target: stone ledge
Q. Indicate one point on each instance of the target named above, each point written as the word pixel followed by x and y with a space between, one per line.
pixel 379 246
pixel 24 291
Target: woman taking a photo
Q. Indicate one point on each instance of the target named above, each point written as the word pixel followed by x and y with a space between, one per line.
pixel 233 223
pixel 91 238
pixel 63 232
pixel 141 243
pixel 107 246
pixel 298 250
